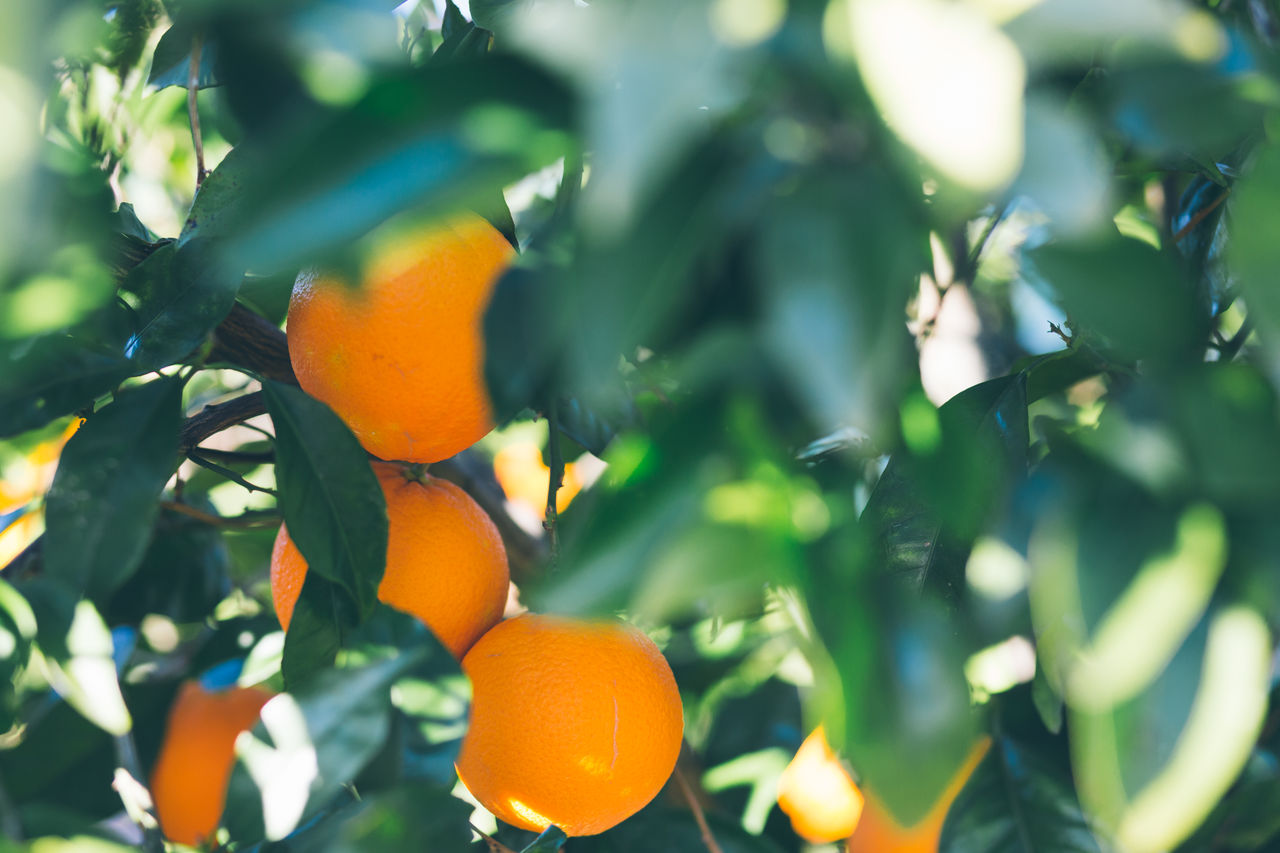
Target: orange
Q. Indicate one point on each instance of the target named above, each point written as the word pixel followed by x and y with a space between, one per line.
pixel 189 781
pixel 878 831
pixel 525 478
pixel 573 723
pixel 817 793
pixel 21 482
pixel 446 563
pixel 401 357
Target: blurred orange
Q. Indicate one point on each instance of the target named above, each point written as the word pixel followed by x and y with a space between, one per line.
pixel 525 478
pixel 23 482
pixel 878 832
pixel 189 781
pixel 817 792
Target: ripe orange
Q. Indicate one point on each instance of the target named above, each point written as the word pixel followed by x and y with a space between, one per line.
pixel 525 478
pixel 818 794
pixel 446 563
pixel 401 357
pixel 878 831
pixel 189 781
pixel 573 723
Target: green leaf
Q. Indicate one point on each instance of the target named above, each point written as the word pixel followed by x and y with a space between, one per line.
pixel 662 828
pixel 550 840
pixel 78 655
pixel 17 632
pixel 330 498
pixel 906 699
pixel 1134 298
pixel 412 818
pixel 183 293
pixel 439 138
pixel 104 496
pixel 171 64
pixel 933 498
pixel 835 280
pixel 1017 801
pixel 309 745
pixel 321 619
pixel 57 373
pixel 461 38
pixel 184 596
pixel 216 209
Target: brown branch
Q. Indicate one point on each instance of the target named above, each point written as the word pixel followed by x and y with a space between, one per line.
pixel 245 339
pixel 694 806
pixel 217 417
pixel 1200 216
pixel 193 86
pixel 248 519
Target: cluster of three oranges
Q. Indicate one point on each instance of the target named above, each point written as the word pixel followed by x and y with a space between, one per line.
pixel 573 723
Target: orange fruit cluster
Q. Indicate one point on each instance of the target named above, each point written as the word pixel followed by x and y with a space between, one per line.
pixel 825 805
pixel 573 722
pixel 189 780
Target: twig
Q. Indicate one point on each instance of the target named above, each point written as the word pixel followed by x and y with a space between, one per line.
pixel 1055 329
pixel 245 339
pixel 694 806
pixel 524 552
pixel 1200 216
pixel 251 518
pixel 209 465
pixel 554 481
pixel 263 457
pixel 495 846
pixel 193 86
pixel 217 417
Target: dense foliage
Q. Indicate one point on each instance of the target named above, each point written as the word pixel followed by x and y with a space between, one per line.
pixel 930 345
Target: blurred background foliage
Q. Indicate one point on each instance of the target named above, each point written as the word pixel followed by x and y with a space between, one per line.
pixel 910 365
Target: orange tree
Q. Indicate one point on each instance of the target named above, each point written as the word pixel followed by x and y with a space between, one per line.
pixel 916 360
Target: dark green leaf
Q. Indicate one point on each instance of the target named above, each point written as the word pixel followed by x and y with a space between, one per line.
pixel 445 136
pixel 216 209
pixel 461 38
pixel 551 840
pixel 343 715
pixel 331 501
pixel 410 819
pixel 183 293
pixel 171 65
pixel 187 595
pixel 933 498
pixel 321 619
pixel 61 372
pixel 1017 802
pixel 105 493
pixel 1130 295
pixel 906 699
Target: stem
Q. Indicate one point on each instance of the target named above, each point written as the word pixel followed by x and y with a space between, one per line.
pixel 556 479
pixel 1200 216
pixel 694 806
pixel 228 473
pixel 193 86
pixel 217 417
pixel 260 518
